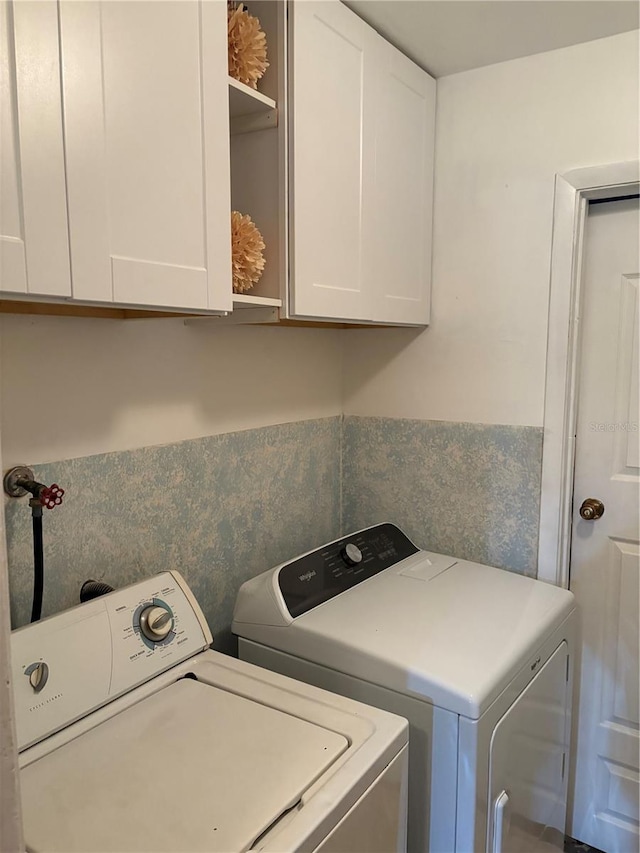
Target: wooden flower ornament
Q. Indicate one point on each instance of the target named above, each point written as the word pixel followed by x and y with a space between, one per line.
pixel 247 46
pixel 247 246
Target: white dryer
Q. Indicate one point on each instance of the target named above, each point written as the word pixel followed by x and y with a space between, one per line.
pixel 135 737
pixel 478 659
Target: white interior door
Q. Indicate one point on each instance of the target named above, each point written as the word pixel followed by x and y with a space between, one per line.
pixel 605 554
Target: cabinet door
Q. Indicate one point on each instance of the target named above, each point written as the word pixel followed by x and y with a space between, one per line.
pixel 406 96
pixel 147 142
pixel 34 246
pixel 333 125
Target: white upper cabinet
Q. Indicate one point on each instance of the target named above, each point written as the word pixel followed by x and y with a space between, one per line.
pixel 34 245
pixel 116 169
pixel 147 151
pixel 361 172
pixel 332 114
pixel 403 189
pixel 114 153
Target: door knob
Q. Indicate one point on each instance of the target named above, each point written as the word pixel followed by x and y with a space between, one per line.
pixel 591 509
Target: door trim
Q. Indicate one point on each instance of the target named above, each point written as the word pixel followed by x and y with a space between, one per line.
pixel 573 191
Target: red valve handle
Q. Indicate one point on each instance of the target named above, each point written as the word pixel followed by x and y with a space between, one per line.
pixel 51 496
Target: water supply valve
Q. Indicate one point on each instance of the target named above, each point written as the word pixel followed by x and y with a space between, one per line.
pixel 20 481
pixel 51 496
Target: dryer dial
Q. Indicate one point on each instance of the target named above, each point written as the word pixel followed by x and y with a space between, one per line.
pixel 351 554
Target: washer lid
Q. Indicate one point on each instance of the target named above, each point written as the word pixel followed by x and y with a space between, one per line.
pixel 190 768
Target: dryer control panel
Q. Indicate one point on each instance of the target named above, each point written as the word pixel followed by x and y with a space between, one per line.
pixel 68 665
pixel 336 567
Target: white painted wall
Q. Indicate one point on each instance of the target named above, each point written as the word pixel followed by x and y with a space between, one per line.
pixel 502 132
pixel 74 387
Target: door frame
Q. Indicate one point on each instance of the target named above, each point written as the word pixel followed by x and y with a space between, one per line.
pixel 11 835
pixel 573 192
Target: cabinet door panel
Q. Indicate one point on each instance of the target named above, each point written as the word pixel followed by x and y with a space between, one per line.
pixel 332 159
pixel 156 284
pixel 404 189
pixel 146 121
pixel 34 246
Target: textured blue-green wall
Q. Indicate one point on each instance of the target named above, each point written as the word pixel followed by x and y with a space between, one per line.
pixel 224 508
pixel 471 490
pixel 218 509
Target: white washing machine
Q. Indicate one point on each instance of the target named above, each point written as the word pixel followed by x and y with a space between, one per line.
pixel 476 658
pixel 134 736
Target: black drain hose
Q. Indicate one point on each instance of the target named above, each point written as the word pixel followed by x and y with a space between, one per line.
pixel 92 589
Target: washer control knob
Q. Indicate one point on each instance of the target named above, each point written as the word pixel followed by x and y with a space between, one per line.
pixel 351 554
pixel 38 674
pixel 156 623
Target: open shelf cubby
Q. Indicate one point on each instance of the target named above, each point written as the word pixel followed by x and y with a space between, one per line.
pixel 258 142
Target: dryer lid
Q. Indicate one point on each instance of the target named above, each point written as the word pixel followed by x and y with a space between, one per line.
pixel 455 639
pixel 446 631
pixel 192 767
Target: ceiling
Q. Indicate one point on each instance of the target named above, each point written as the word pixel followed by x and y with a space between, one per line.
pixel 446 36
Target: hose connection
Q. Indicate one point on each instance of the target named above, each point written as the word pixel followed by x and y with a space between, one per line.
pixel 20 481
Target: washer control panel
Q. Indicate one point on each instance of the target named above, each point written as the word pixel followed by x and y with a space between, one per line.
pixel 315 578
pixel 68 665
